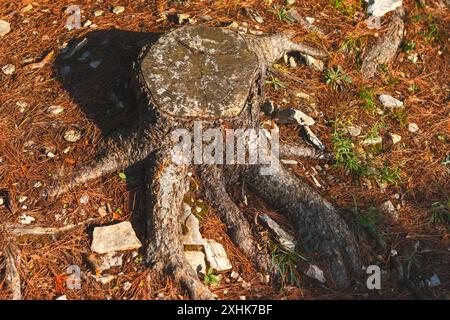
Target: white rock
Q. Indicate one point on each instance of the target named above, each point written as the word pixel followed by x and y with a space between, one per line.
pixel 284 238
pixel 117 237
pixel 310 20
pixel 292 62
pixel 98 13
pixel 38 184
pixel 95 63
pixel 312 138
pixel 413 127
pixel 242 298
pixel 216 256
pixel 2 201
pixel 289 161
pixel 24 219
pixel 22 199
pixel 197 261
pixel 84 199
pixel 388 208
pixel 434 281
pixel 5 28
pixel 87 23
pixel 379 8
pixel 295 116
pixel 23 106
pixel 181 17
pixel 389 101
pixel 55 110
pixel 316 273
pixel 313 62
pixel 104 279
pixel 8 69
pixel 72 135
pixel 290 2
pixel 127 286
pixel 395 138
pixel 354 131
pixel 118 9
pixel 192 237
pixel 63 297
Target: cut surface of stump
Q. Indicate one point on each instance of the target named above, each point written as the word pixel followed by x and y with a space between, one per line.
pixel 211 74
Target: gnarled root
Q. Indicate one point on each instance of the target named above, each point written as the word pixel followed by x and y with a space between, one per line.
pixel 291 150
pixel 166 185
pixel 238 227
pixel 118 151
pixel 315 219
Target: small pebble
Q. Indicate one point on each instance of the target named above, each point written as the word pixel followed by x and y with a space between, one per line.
pixel 118 9
pixel 94 64
pixel 8 69
pixel 5 28
pixel 98 13
pixel 413 127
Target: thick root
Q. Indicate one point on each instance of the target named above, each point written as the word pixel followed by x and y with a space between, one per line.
pixel 166 185
pixel 315 219
pixel 291 150
pixel 238 227
pixel 121 150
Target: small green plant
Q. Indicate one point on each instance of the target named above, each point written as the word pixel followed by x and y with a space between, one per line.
pixel 401 116
pixel 367 220
pixel 389 175
pixel 282 14
pixel 285 263
pixel 346 7
pixel 413 88
pixel 211 278
pixel 389 80
pixel 336 77
pixel 411 45
pixel 344 150
pixel 367 96
pixel 276 83
pixel 431 33
pixel 440 212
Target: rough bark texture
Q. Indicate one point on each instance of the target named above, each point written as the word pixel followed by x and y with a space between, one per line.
pixel 387 45
pixel 238 226
pixel 166 185
pixel 291 150
pixel 315 219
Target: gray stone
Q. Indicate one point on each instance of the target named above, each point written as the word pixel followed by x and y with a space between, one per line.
pixel 8 69
pixel 388 208
pixel 395 138
pixel 295 116
pixel 390 102
pixel 413 127
pixel 197 261
pixel 55 110
pixel 117 237
pixel 216 256
pixel 316 273
pixel 282 237
pixel 72 135
pixel 192 235
pixel 434 281
pixel 5 28
pixel 354 131
pixel 312 138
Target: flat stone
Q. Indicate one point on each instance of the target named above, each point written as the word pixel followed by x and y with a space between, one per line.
pixel 117 237
pixel 395 138
pixel 8 69
pixel 192 237
pixel 312 138
pixel 72 135
pixel 372 141
pixel 284 238
pixel 354 131
pixel 216 256
pixel 55 110
pixel 388 208
pixel 295 116
pixel 310 20
pixel 390 102
pixel 378 8
pixel 316 273
pixel 98 13
pixel 197 261
pixel 314 63
pixel 5 28
pixel 104 279
pixel 118 9
pixel 413 127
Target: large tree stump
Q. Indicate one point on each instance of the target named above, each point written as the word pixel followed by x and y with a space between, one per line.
pixel 214 75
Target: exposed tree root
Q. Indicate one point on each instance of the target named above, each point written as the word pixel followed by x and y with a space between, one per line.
pixel 238 227
pixel 315 219
pixel 291 150
pixel 118 151
pixel 166 185
pixel 12 273
pixel 387 45
pixel 20 231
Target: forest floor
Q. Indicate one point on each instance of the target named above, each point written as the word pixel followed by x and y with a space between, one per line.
pixel 413 174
